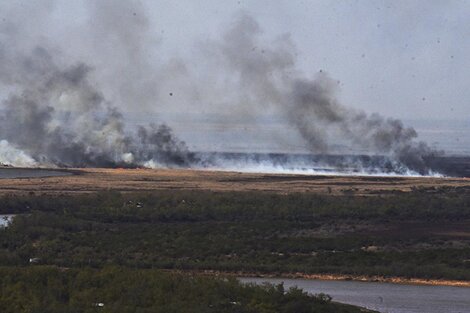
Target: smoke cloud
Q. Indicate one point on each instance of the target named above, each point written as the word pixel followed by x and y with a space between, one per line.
pixel 268 77
pixel 10 156
pixel 55 115
pixel 56 111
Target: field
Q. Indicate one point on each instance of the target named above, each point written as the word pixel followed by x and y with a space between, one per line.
pixel 131 180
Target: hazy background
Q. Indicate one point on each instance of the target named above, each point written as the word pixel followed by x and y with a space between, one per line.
pixel 403 59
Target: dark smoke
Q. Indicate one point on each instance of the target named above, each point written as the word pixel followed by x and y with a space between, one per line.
pixel 317 114
pixel 59 118
pixel 57 113
pixel 268 76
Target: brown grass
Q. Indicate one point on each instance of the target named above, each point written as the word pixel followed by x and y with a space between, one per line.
pixel 127 180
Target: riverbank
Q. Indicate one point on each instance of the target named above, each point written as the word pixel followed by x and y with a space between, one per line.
pixel 338 277
pixel 394 280
pixel 380 296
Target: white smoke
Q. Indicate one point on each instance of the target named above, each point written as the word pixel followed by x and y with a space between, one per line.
pixel 12 156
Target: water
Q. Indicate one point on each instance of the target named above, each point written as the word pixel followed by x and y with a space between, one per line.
pixel 5 220
pixel 30 173
pixel 384 297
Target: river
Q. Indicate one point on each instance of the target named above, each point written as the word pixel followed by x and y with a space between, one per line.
pixel 30 173
pixel 384 297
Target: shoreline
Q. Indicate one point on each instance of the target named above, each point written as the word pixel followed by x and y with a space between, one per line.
pixel 340 277
pixel 380 279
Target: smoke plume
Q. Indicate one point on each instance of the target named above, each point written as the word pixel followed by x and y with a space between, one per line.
pixel 55 115
pixel 58 117
pixel 268 76
pixel 56 111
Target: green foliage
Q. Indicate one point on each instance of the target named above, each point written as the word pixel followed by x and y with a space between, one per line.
pixel 167 205
pixel 116 289
pixel 251 232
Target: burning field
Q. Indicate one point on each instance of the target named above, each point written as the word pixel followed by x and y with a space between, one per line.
pixel 61 110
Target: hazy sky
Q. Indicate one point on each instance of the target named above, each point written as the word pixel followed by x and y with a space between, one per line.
pixel 406 59
pixel 409 59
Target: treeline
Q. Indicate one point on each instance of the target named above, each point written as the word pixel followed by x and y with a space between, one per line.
pixel 168 205
pixel 121 290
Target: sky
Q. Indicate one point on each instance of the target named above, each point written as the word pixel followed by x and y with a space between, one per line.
pixel 398 58
pixel 406 59
pixel 401 59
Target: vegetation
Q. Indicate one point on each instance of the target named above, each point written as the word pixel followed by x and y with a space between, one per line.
pixel 116 289
pixel 409 235
pixel 73 251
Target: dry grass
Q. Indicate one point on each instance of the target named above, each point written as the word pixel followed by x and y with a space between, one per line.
pixel 126 180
